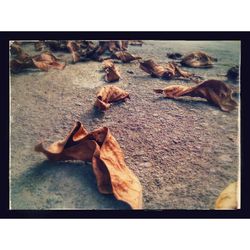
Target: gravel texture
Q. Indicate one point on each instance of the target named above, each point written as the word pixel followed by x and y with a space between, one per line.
pixel 184 152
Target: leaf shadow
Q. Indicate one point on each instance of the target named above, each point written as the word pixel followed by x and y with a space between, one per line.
pixel 72 181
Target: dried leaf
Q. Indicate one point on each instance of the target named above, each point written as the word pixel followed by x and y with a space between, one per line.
pixel 214 91
pixel 233 73
pixel 57 45
pixel 112 73
pixel 102 149
pixel 74 49
pixel 198 59
pixel 40 45
pixel 109 94
pixel 125 57
pixel 167 71
pixel 174 56
pixel 47 60
pixel 228 198
pixel 136 42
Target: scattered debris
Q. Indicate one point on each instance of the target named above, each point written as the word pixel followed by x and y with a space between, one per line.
pixel 233 73
pixel 214 91
pixel 47 60
pixel 198 59
pixel 44 61
pixel 228 198
pixel 125 57
pixel 135 42
pixel 109 94
pixel 57 45
pixel 40 45
pixel 112 73
pixel 174 56
pixel 102 149
pixel 168 71
pixel 74 50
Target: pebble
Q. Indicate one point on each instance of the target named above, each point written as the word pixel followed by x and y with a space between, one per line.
pixel 146 164
pixel 155 115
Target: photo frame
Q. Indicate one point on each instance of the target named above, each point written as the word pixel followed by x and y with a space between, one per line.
pixel 6 212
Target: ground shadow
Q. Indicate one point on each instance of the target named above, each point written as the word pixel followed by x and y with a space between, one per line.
pixel 50 179
pixel 189 102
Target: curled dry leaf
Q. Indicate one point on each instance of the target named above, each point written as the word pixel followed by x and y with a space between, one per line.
pixel 102 149
pixel 40 45
pixel 47 60
pixel 109 94
pixel 228 198
pixel 174 56
pixel 233 73
pixel 214 91
pixel 167 71
pixel 198 59
pixel 74 49
pixel 112 73
pixel 57 45
pixel 136 42
pixel 44 61
pixel 21 61
pixel 125 57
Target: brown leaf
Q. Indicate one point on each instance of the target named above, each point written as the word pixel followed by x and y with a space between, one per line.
pixel 57 45
pixel 125 57
pixel 21 61
pixel 214 91
pixel 74 50
pixel 40 45
pixel 109 94
pixel 166 71
pixel 47 60
pixel 228 198
pixel 136 42
pixel 174 56
pixel 102 149
pixel 198 59
pixel 112 73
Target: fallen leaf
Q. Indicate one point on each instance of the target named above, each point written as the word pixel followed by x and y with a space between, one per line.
pixel 228 198
pixel 102 149
pixel 167 71
pixel 198 59
pixel 109 94
pixel 233 73
pixel 47 60
pixel 40 45
pixel 74 49
pixel 214 91
pixel 112 73
pixel 125 56
pixel 136 42
pixel 174 56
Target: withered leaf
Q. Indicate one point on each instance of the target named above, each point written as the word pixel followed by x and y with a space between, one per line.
pixel 109 94
pixel 47 60
pixel 174 55
pixel 167 71
pixel 228 198
pixel 136 42
pixel 112 73
pixel 102 149
pixel 198 59
pixel 214 91
pixel 125 56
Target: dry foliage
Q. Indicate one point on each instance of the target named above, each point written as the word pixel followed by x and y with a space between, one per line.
pixel 214 91
pixel 102 149
pixel 109 94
